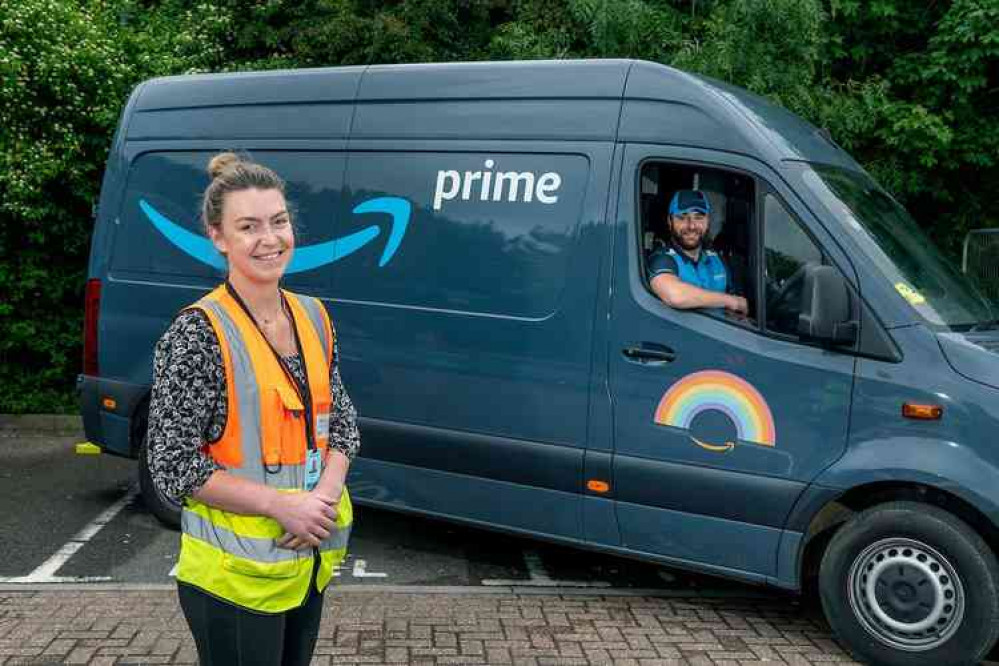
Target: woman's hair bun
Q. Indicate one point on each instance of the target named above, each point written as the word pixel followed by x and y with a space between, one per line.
pixel 219 163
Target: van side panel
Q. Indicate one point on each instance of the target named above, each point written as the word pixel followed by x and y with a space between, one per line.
pixel 291 121
pixel 543 119
pixel 468 354
pixel 251 88
pixel 517 100
pixel 678 123
pixel 496 81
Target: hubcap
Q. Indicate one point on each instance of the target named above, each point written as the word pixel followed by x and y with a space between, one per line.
pixel 906 594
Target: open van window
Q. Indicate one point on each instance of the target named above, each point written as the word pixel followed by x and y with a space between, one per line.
pixel 904 255
pixel 764 247
pixel 729 234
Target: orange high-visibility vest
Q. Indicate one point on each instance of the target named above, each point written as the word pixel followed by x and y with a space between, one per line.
pixel 265 440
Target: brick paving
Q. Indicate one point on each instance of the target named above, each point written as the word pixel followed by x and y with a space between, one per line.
pixel 103 626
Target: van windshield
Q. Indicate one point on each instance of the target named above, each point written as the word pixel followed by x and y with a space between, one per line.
pixel 932 285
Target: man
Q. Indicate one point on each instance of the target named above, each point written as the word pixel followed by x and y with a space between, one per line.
pixel 683 274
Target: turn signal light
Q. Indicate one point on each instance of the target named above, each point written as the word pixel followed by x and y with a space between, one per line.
pixel 922 412
pixel 597 486
pixel 110 404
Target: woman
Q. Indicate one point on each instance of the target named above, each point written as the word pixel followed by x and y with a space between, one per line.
pixel 251 426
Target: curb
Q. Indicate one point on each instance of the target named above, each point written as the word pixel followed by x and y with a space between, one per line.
pixel 455 590
pixel 26 425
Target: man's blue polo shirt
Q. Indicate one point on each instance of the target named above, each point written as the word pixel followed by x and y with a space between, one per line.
pixel 708 272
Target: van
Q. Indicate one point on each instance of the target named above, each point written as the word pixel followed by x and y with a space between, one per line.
pixel 479 234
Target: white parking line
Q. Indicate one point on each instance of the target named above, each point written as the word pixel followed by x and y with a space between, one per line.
pixel 539 576
pixel 361 571
pixel 45 573
pixel 337 570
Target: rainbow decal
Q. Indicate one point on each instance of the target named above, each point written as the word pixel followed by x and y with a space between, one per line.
pixel 723 392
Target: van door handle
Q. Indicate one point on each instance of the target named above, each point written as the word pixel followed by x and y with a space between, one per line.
pixel 649 353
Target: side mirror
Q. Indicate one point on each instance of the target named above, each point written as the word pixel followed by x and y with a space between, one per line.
pixel 826 307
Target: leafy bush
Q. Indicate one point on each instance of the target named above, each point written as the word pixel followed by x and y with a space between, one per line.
pixel 61 90
pixel 66 69
pixel 911 89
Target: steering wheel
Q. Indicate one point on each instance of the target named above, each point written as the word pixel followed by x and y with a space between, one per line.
pixel 784 301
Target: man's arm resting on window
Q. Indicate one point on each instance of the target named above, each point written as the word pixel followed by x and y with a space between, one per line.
pixel 676 293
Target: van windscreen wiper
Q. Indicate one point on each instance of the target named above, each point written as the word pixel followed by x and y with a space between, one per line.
pixel 988 325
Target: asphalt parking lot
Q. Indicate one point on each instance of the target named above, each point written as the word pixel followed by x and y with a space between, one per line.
pixel 70 518
pixel 86 578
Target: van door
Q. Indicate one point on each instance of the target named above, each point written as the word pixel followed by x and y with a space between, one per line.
pixel 719 423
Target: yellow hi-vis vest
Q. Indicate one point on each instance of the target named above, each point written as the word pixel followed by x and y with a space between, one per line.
pixel 234 556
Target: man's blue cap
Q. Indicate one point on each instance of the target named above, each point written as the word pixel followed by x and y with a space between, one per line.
pixel 685 201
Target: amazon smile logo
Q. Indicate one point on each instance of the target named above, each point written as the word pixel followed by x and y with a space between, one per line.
pixel 715 390
pixel 304 258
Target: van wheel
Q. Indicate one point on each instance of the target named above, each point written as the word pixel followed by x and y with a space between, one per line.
pixel 908 584
pixel 163 507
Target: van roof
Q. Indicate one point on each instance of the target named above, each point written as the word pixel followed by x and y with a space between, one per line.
pixel 589 100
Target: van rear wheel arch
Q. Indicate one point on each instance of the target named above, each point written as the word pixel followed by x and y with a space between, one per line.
pixel 139 422
pixel 166 510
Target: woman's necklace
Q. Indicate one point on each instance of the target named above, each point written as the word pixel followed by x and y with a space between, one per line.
pixel 270 326
pixel 267 320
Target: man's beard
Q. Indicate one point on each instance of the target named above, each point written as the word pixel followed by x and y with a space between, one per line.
pixel 688 245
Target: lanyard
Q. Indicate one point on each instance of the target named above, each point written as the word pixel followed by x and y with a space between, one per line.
pixel 304 394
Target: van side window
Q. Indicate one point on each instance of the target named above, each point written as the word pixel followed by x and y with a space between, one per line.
pixel 727 238
pixel 755 241
pixel 787 251
pixel 159 215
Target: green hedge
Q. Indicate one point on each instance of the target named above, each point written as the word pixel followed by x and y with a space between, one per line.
pixel 909 88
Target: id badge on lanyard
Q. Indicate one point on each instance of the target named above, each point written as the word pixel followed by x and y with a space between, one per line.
pixel 322 429
pixel 313 468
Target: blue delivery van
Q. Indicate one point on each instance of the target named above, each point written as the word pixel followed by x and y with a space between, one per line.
pixel 479 233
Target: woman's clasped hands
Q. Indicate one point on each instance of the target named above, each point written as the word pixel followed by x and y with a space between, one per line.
pixel 307 517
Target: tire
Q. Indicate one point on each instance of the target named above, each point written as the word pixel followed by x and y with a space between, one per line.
pixel 166 510
pixel 908 584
